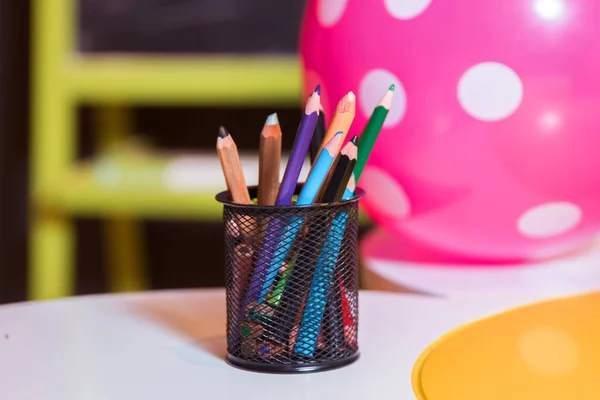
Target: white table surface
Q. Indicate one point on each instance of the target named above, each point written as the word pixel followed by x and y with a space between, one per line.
pixel 171 345
pixel 571 274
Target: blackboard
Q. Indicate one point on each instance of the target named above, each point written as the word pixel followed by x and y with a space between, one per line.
pixel 189 26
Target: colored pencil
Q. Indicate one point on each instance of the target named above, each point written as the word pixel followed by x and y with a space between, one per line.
pixel 269 161
pixel 333 321
pixel 342 118
pixel 318 137
pixel 350 189
pixel 367 139
pixel 338 179
pixel 284 272
pixel 284 196
pixel 371 131
pixel 307 195
pixel 232 167
pixel 312 316
pixel 299 150
pixel 314 310
pixel 348 315
pixel 320 170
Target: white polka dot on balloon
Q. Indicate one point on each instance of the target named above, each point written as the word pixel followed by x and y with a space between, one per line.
pixel 490 91
pixel 549 219
pixel 372 88
pixel 329 12
pixel 406 9
pixel 385 193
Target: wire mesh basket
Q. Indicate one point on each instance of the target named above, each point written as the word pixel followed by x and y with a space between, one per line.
pixel 292 285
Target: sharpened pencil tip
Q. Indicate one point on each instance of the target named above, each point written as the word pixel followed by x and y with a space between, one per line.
pixel 393 87
pixel 351 96
pixel 338 133
pixel 272 119
pixel 318 89
pixel 223 133
pixel 354 140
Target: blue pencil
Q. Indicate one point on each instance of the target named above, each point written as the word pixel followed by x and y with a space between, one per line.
pixel 285 194
pixel 312 317
pixel 307 196
pixel 316 301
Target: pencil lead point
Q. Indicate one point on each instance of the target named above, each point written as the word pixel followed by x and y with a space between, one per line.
pixel 318 89
pixel 351 96
pixel 338 133
pixel 223 132
pixel 354 140
pixel 393 87
pixel 272 119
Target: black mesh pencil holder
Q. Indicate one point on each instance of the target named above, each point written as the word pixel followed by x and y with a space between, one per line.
pixel 292 285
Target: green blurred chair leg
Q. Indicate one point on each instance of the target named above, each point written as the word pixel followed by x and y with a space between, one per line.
pixel 124 235
pixel 51 257
pixel 53 149
pixel 125 249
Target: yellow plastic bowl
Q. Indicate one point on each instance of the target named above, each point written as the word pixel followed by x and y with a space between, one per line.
pixel 545 351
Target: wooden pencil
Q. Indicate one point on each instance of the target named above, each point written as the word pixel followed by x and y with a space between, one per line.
pixel 269 161
pixel 342 119
pixel 318 137
pixel 340 174
pixel 232 168
pixel 241 268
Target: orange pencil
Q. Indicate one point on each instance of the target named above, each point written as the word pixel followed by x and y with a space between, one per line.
pixel 269 161
pixel 342 119
pixel 232 167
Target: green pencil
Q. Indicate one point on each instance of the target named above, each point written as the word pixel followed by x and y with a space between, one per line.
pixel 371 131
pixel 275 296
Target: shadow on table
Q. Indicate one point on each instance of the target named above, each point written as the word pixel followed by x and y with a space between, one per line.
pixel 198 320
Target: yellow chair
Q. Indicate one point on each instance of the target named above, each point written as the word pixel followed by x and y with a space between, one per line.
pixel 61 189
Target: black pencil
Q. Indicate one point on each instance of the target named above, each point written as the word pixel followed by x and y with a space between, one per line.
pixel 341 170
pixel 318 136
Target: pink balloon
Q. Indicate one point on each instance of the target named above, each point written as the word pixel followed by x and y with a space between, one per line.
pixel 491 149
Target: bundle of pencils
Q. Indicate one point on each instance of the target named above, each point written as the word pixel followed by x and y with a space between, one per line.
pixel 267 271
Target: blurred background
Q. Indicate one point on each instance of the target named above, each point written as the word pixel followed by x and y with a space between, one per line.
pixel 109 112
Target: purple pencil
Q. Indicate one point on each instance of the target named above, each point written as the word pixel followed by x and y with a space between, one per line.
pixel 285 194
pixel 299 150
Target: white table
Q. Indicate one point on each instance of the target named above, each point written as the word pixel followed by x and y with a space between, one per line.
pixel 576 273
pixel 171 345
